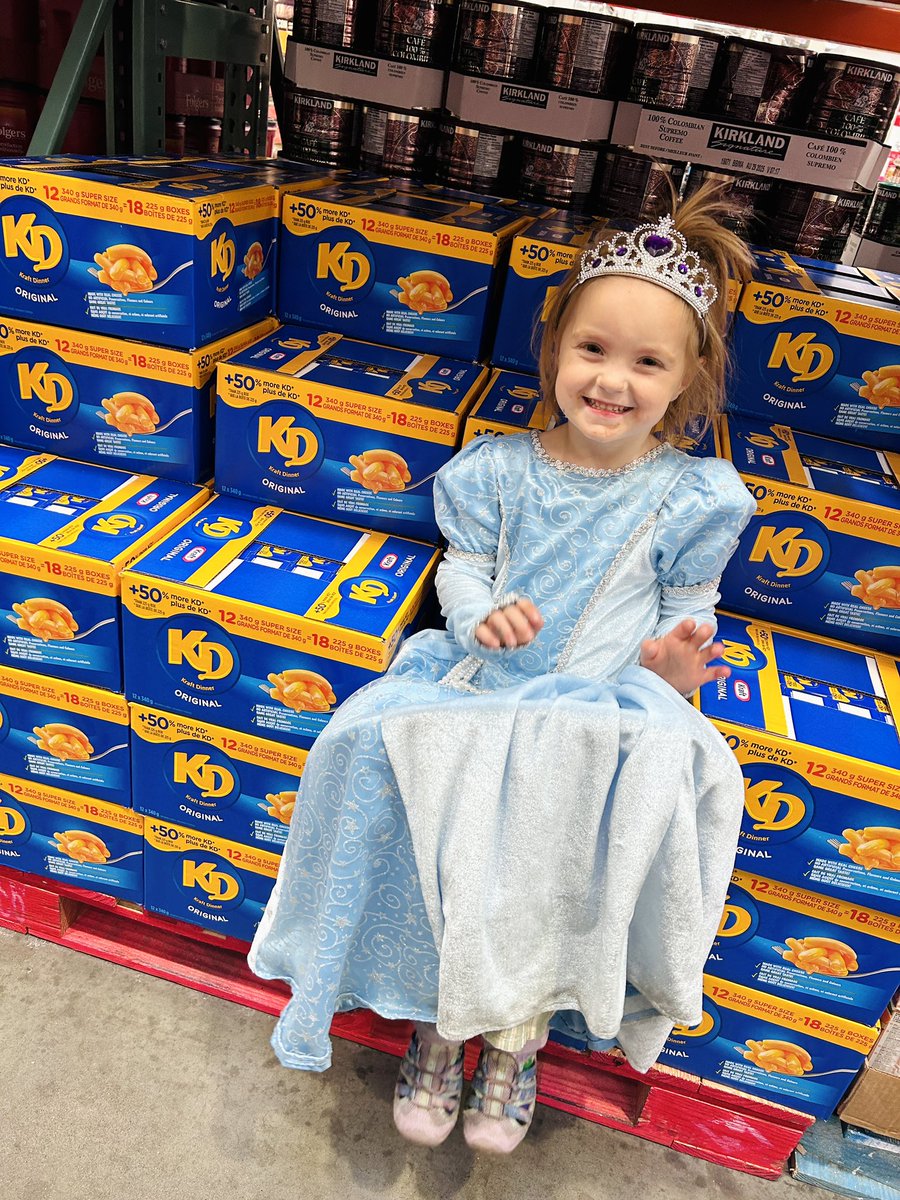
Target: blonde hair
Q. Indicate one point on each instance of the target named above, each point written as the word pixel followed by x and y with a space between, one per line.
pixel 725 256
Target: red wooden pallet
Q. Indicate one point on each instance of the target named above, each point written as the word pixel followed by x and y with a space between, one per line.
pixel 665 1106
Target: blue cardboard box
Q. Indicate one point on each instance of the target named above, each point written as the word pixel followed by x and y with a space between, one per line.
pixel 772 1047
pixel 820 553
pixel 263 621
pixel 157 251
pixel 114 402
pixel 539 260
pixel 226 783
pixel 835 955
pixel 71 838
pixel 210 881
pixel 813 726
pixel 336 428
pixel 511 403
pixel 67 530
pixel 65 734
pixel 818 356
pixel 400 269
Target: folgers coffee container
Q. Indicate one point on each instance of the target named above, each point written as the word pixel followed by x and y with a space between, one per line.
pixel 814 221
pixel 633 185
pixel 672 67
pixel 416 31
pixel 398 143
pixel 759 82
pixel 557 173
pixel 471 156
pixel 853 99
pixel 883 225
pixel 752 195
pixel 320 129
pixel 581 52
pixel 498 40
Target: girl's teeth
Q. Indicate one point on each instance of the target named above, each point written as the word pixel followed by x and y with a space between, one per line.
pixel 611 408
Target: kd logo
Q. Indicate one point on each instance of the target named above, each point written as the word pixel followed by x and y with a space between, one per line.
pixel 433 385
pixel 350 268
pixel 222 527
pixel 216 884
pixel 296 445
pixel 115 523
pixel 39 243
pixel 196 769
pixel 369 591
pixel 762 440
pixel 294 344
pixel 523 393
pixel 735 921
pixel 210 660
pixel 53 390
pixel 222 252
pixel 803 357
pixel 12 823
pixel 737 654
pixel 771 809
pixel 705 1026
pixel 791 553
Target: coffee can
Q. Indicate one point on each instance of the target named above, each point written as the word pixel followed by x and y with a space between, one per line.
pixel 341 24
pixel 320 129
pixel 581 52
pixel 814 221
pixel 672 68
pixel 472 156
pixel 558 173
pixel 852 98
pixel 760 82
pixel 304 20
pixel 497 40
pixel 751 195
pixel 416 31
pixel 634 185
pixel 396 142
pixel 883 225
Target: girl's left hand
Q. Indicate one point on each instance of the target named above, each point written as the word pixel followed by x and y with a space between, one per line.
pixel 681 657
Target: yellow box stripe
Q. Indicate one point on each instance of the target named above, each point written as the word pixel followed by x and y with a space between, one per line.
pixel 824 908
pixel 246 858
pixel 73 697
pixel 56 800
pixel 77 572
pixel 769 684
pixel 262 517
pixel 809 1021
pixel 841 773
pixel 243 747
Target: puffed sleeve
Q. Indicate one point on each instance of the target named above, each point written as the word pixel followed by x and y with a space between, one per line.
pixel 696 535
pixel 467 509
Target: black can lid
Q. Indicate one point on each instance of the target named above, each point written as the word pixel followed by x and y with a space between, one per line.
pixel 681 32
pixel 553 14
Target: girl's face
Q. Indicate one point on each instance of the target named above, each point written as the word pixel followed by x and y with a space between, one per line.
pixel 622 359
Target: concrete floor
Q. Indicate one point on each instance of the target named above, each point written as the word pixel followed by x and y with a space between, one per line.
pixel 118 1086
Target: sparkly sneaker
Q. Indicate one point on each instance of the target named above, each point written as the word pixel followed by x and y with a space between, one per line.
pixel 429 1088
pixel 500 1105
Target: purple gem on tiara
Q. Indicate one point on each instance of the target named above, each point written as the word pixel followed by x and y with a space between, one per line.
pixel 621 250
pixel 656 245
pixel 698 291
pixel 682 267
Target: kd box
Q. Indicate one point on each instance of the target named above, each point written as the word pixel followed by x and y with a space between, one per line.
pixel 263 621
pixel 324 425
pixel 210 881
pixel 67 530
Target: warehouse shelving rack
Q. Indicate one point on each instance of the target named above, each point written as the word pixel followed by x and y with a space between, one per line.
pixel 138 36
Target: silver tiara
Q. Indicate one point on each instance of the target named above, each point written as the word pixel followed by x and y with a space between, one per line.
pixel 657 252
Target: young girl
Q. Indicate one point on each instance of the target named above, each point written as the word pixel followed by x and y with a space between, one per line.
pixel 526 814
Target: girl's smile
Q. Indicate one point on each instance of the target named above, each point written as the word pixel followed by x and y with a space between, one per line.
pixel 622 360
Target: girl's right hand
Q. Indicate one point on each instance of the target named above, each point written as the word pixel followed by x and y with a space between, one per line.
pixel 515 625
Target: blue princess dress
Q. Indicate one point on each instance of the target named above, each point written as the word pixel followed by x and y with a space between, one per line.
pixel 482 836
